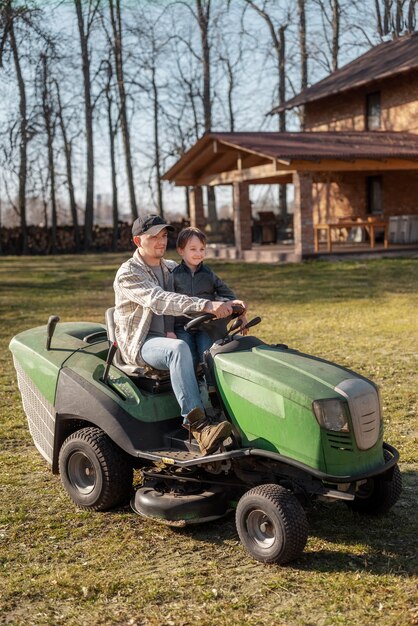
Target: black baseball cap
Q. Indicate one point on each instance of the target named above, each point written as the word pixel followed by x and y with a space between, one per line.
pixel 149 224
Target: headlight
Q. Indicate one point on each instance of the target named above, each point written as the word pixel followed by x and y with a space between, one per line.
pixel 331 414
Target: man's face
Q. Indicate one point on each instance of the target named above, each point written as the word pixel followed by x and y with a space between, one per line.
pixel 152 247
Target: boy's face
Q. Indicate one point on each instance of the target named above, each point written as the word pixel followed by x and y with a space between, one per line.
pixel 193 252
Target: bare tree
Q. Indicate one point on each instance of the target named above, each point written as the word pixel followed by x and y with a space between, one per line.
pixel 201 13
pixel 303 54
pixel 9 15
pixel 330 12
pixel 395 17
pixel 85 25
pixel 116 21
pixel 412 21
pixel 68 150
pixel 152 38
pixel 278 40
pixel 112 130
pixel 50 124
pixel 203 8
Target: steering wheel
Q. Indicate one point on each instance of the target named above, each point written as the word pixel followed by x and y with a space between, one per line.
pixel 237 310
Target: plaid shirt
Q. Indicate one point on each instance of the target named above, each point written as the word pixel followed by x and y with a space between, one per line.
pixel 138 296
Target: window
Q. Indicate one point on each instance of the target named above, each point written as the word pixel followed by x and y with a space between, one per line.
pixel 374 195
pixel 373 111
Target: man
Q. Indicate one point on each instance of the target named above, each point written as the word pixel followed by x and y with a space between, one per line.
pixel 143 299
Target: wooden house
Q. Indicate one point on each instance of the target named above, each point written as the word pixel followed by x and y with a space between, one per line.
pixel 356 160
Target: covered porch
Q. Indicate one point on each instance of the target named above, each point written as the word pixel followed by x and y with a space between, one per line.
pixel 285 253
pixel 304 160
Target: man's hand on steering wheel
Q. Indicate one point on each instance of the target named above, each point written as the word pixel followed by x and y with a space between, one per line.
pixel 224 309
pixel 219 309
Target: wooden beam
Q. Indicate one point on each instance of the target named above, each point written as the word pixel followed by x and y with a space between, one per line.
pixel 240 176
pixel 278 162
pixel 275 170
pixel 344 165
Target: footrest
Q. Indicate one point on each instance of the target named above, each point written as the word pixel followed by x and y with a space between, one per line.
pixel 184 458
pixel 170 456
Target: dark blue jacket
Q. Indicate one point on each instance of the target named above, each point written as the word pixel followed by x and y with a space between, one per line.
pixel 203 283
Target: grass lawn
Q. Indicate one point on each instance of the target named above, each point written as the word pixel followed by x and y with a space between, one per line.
pixel 61 565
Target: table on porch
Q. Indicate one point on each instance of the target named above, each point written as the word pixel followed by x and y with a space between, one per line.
pixel 370 226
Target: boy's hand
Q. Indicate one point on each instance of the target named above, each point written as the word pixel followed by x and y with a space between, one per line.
pixel 171 335
pixel 240 303
pixel 243 321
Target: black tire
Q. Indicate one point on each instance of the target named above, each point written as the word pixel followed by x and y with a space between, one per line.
pixel 271 524
pixel 95 473
pixel 379 494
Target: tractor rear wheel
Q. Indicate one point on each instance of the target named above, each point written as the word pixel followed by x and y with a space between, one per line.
pixel 95 473
pixel 272 524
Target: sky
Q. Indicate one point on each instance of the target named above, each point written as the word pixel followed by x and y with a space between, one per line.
pixel 254 96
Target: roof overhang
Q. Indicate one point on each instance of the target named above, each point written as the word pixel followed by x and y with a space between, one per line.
pixel 271 158
pixel 386 60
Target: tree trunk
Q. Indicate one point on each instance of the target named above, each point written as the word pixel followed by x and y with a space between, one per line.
pixel 23 133
pixel 282 115
pixel 378 18
pixel 203 13
pixel 157 156
pixel 279 45
pixel 336 14
pixel 231 85
pixel 387 16
pixel 115 17
pixel 88 109
pixel 50 131
pixel 399 21
pixel 69 171
pixel 112 134
pixel 303 56
pixel 411 16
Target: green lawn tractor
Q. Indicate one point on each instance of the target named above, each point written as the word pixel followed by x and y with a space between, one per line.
pixel 304 429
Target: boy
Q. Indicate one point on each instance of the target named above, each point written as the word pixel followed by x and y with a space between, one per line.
pixel 193 278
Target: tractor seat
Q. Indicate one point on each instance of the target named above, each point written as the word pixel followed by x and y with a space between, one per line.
pixel 153 381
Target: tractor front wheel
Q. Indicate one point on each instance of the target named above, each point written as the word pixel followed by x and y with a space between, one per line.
pixel 379 494
pixel 95 473
pixel 272 524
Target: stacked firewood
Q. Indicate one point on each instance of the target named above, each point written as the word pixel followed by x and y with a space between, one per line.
pixel 42 241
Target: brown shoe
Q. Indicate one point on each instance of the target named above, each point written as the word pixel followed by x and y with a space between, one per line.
pixel 208 436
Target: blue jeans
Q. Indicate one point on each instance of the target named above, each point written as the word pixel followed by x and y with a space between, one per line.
pixel 174 355
pixel 198 341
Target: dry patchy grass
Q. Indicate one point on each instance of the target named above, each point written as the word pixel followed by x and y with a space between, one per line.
pixel 60 565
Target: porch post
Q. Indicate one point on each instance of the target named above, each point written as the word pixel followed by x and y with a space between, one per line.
pixel 242 217
pixel 197 217
pixel 303 215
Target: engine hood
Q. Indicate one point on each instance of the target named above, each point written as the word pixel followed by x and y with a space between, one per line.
pixel 293 375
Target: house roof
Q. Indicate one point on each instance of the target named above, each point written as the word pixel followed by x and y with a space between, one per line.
pixel 215 153
pixel 387 59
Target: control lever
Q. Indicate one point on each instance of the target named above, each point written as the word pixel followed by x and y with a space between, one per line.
pixel 237 324
pixel 50 329
pixel 250 324
pixel 109 360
